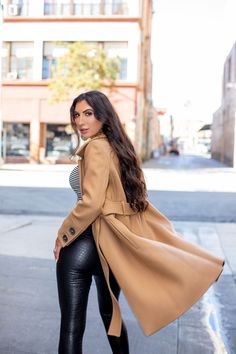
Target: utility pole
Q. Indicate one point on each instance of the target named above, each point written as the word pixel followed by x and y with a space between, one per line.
pixel 1 28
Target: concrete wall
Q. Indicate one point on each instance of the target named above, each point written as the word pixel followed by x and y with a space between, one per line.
pixel 223 127
pixel 217 148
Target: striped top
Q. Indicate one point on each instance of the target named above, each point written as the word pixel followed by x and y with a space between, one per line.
pixel 74 181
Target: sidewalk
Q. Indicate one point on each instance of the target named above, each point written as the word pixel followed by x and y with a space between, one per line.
pixel 29 308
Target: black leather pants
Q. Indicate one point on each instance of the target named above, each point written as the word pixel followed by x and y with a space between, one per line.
pixel 77 263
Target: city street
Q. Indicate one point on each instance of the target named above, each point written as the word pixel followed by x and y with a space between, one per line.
pixel 185 188
pixel 197 193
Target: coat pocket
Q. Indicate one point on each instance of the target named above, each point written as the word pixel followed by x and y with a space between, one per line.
pixel 122 231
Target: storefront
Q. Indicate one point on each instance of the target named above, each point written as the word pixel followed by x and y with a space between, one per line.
pixel 16 142
pixel 36 131
pixel 60 142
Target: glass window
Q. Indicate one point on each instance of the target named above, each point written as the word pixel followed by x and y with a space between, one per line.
pixel 229 69
pixel 85 7
pixel 119 7
pixel 17 8
pixel 59 141
pixel 120 50
pixel 17 139
pixel 115 7
pixel 57 7
pixel 5 59
pixel 51 51
pixel 18 60
pixel 113 49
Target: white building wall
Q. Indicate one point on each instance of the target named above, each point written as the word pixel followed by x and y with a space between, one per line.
pixel 38 60
pixel 76 31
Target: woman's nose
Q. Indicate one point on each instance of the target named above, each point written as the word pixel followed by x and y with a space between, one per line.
pixel 81 120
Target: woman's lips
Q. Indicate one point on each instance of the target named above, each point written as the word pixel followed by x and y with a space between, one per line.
pixel 83 131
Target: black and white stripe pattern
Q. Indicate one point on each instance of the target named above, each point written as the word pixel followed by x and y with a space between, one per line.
pixel 74 181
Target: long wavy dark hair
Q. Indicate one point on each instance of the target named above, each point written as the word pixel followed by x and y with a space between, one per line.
pixel 130 170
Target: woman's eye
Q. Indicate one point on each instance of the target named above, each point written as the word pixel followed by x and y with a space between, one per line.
pixel 76 115
pixel 89 113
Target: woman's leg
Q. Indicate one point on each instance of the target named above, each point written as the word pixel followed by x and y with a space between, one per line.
pixel 119 345
pixel 74 275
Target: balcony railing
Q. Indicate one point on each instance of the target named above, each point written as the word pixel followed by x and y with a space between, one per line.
pixel 85 9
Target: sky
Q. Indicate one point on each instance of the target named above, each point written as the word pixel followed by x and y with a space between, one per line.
pixel 190 42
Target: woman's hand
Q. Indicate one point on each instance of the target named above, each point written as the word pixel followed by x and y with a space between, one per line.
pixel 57 249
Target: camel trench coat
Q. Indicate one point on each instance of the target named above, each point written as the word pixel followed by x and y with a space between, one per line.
pixel 161 274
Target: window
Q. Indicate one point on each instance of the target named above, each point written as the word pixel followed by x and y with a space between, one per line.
pixel 57 7
pixel 17 61
pixel 85 7
pixel 229 70
pixel 115 7
pixel 17 139
pixel 120 50
pixel 59 141
pixel 5 59
pixel 17 8
pixel 51 51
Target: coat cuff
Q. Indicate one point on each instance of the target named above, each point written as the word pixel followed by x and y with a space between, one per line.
pixel 68 231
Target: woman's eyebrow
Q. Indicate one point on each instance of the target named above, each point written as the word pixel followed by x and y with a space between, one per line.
pixel 87 109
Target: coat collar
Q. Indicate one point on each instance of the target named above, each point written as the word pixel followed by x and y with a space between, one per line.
pixel 81 149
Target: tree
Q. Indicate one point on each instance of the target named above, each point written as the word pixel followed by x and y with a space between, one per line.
pixel 82 68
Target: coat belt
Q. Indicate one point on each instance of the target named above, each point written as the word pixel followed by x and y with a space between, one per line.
pixel 116 207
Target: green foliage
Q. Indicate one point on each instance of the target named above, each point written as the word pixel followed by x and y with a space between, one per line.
pixel 83 67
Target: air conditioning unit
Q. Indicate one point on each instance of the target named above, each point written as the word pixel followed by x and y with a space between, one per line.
pixel 12 10
pixel 12 75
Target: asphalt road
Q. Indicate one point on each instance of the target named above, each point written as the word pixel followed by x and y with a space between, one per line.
pixel 184 188
pixel 178 206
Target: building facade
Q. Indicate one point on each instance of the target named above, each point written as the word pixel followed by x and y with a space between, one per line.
pixel 35 34
pixel 224 122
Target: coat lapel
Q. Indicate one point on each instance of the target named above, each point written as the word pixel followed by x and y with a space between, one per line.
pixel 80 155
pixel 80 151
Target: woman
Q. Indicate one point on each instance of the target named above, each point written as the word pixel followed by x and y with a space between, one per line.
pixel 136 248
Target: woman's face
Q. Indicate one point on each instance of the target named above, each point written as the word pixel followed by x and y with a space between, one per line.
pixel 85 120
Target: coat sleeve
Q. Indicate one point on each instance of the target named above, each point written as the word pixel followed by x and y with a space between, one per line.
pixel 95 181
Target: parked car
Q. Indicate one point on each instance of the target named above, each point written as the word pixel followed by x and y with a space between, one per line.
pixel 174 147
